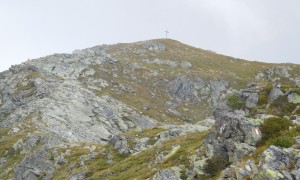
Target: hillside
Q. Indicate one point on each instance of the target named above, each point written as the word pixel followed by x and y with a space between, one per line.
pixel 152 109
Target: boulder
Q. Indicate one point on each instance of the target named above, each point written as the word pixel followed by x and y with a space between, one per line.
pixel 3 161
pixel 252 100
pixel 294 98
pixel 182 87
pixel 36 166
pixel 119 143
pixel 78 176
pixel 275 158
pixel 275 93
pixel 168 174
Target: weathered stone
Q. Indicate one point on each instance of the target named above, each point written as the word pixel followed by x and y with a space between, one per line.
pixel 152 46
pixel 168 174
pixel 3 161
pixel 120 144
pixel 181 87
pixel 275 158
pixel 296 173
pixel 14 131
pixel 78 176
pixel 141 144
pixel 294 98
pixel 297 82
pixel 35 166
pixel 275 93
pixel 287 175
pixel 252 100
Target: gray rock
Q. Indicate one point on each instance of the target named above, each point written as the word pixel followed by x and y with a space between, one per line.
pixel 233 125
pixel 35 166
pixel 294 98
pixel 185 64
pixel 275 158
pixel 287 175
pixel 168 174
pixel 61 161
pixel 85 158
pixel 120 143
pixel 275 93
pixel 3 161
pixel 297 82
pixel 230 173
pixel 18 145
pixel 241 150
pixel 259 76
pixel 182 87
pixel 296 174
pixel 161 61
pixel 252 100
pixel 141 144
pixel 152 46
pixel 78 176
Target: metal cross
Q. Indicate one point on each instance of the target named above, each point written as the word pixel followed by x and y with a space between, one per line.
pixel 167 32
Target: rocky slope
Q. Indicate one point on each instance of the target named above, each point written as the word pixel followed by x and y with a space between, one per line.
pixel 155 109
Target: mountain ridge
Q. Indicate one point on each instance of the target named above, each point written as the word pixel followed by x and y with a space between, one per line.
pixel 65 113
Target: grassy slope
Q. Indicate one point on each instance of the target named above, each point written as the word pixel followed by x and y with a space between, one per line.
pixel 205 64
pixel 141 166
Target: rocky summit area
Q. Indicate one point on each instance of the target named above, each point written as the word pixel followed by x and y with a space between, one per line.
pixel 157 110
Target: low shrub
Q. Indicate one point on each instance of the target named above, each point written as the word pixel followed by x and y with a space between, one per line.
pixel 272 127
pixel 264 94
pixel 281 107
pixel 235 102
pixel 215 165
pixel 282 141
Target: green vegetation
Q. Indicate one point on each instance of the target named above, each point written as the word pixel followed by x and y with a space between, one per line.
pixel 235 102
pixel 282 141
pixel 214 166
pixel 29 86
pixel 6 150
pixel 264 94
pixel 150 133
pixel 141 166
pixel 275 131
pixel 273 127
pixel 281 107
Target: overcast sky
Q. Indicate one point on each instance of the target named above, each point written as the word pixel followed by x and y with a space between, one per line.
pixel 262 30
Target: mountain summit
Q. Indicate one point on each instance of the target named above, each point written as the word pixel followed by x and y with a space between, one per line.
pixel 155 109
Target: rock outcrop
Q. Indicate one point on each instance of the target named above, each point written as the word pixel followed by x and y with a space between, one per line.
pixel 64 115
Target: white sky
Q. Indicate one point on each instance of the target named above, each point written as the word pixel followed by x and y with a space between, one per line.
pixel 267 30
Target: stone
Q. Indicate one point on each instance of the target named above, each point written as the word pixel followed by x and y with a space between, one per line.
pixel 182 87
pixel 242 149
pixel 259 76
pixel 252 100
pixel 287 175
pixel 269 174
pixel 275 158
pixel 61 161
pixel 35 166
pixel 294 98
pixel 296 174
pixel 168 174
pixel 18 145
pixel 297 82
pixel 141 144
pixel 78 176
pixel 152 46
pixel 120 144
pixel 3 161
pixel 185 64
pixel 275 93
pixel 14 131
